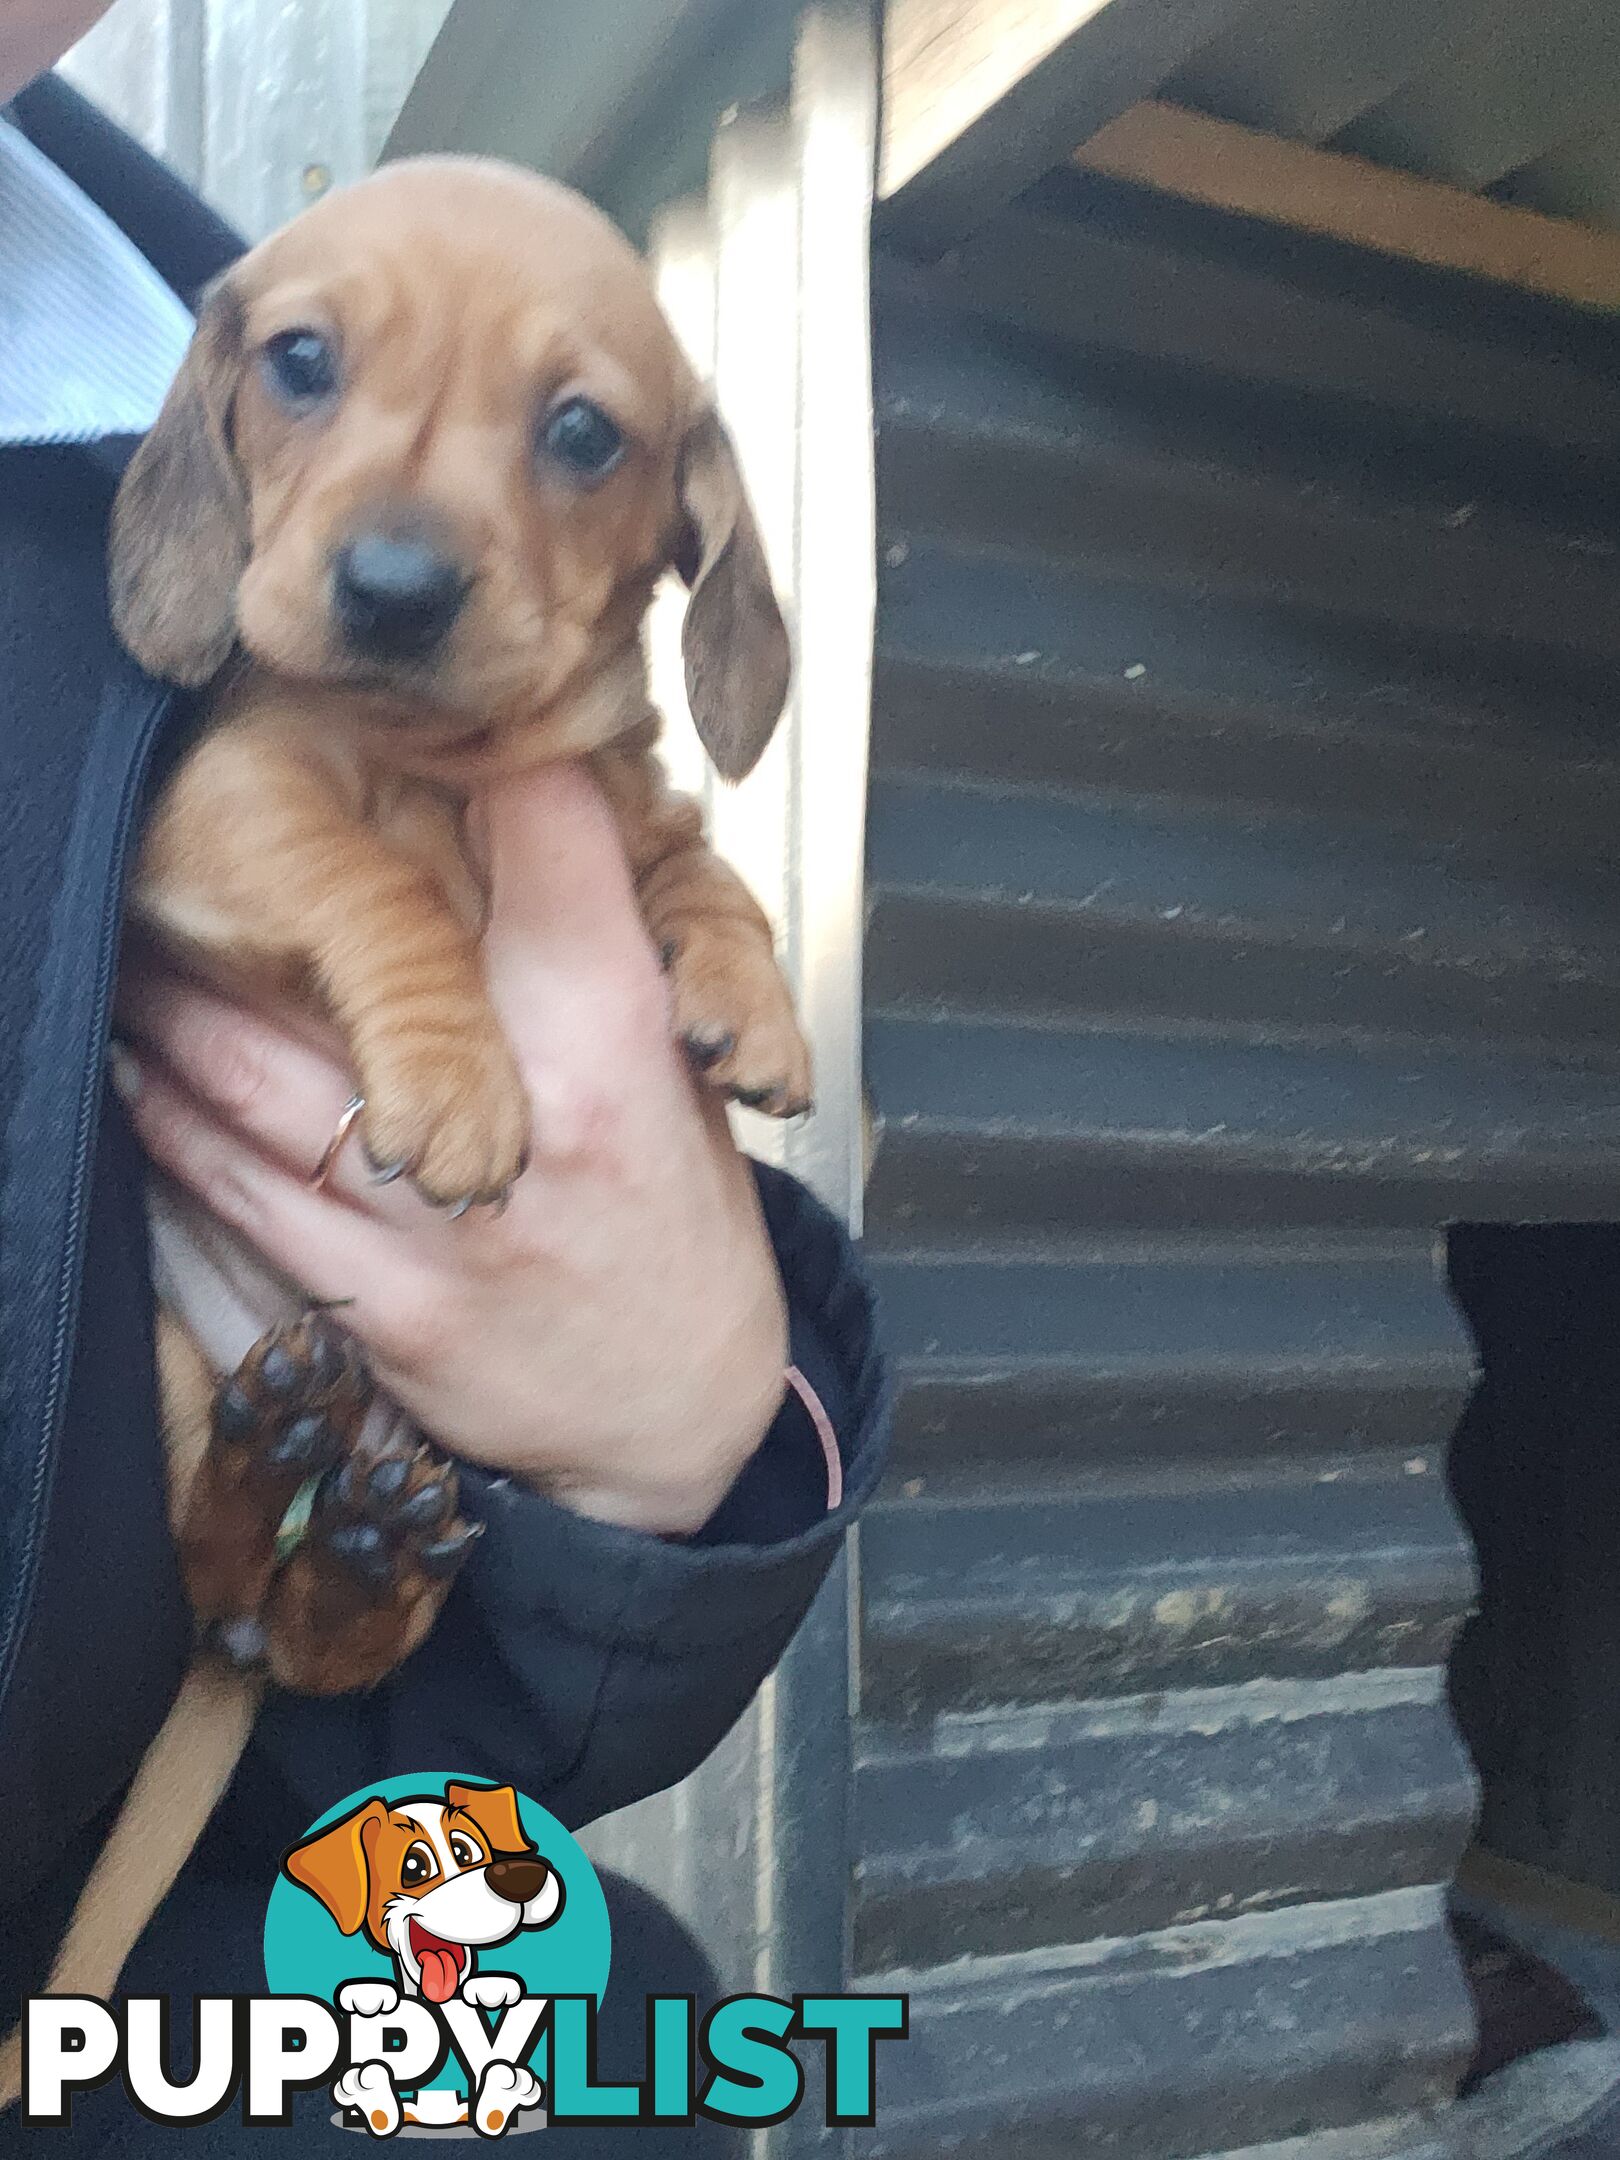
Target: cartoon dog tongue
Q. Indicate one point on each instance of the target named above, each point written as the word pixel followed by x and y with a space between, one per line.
pixel 440 1963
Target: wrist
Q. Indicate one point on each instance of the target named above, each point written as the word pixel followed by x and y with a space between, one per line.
pixel 671 1483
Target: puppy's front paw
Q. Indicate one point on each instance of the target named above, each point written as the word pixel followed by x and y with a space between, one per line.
pixel 447 1109
pixel 735 1017
pixel 368 1998
pixel 491 1991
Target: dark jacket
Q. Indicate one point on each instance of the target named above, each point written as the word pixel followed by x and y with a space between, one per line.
pixel 587 1665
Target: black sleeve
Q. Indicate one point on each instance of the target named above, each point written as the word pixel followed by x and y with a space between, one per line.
pixel 588 1665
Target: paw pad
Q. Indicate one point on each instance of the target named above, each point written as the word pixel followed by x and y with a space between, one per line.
pixel 389 1510
pixel 294 1397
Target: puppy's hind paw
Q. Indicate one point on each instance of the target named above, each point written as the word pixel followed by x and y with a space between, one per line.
pixel 369 2091
pixel 384 1543
pixel 503 2090
pixel 289 1411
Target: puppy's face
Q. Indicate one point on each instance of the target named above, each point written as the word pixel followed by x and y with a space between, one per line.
pixel 436 440
pixel 431 1881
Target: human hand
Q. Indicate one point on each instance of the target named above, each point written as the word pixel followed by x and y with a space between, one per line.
pixel 34 34
pixel 617 1338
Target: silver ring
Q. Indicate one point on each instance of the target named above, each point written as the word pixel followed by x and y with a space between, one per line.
pixel 348 1116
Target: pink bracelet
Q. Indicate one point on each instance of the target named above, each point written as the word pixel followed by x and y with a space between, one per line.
pixel 824 1433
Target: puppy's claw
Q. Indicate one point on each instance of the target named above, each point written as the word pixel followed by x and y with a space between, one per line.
pixel 496 1198
pixel 706 1046
pixel 776 1101
pixel 754 1098
pixel 425 1508
pixel 444 1556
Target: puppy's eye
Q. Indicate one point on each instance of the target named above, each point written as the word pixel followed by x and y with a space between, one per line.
pixel 464 1852
pixel 417 1866
pixel 300 367
pixel 580 437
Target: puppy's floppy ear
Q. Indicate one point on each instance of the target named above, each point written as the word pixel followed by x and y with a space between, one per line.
pixel 335 1864
pixel 494 1809
pixel 735 643
pixel 179 538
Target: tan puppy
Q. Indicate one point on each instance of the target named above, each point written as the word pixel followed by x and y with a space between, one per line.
pixel 405 507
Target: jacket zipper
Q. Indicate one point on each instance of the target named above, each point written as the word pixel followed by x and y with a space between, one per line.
pixel 83 1143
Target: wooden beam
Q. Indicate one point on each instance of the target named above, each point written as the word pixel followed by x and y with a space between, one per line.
pixel 556 85
pixel 1525 79
pixel 980 97
pixel 1345 198
pixel 1306 68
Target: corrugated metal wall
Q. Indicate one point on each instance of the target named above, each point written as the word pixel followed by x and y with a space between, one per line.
pixel 261 104
pixel 1244 909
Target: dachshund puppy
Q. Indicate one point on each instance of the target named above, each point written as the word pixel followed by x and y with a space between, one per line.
pixel 402 514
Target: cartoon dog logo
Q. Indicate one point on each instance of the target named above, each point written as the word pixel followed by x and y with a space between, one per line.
pixel 431 1882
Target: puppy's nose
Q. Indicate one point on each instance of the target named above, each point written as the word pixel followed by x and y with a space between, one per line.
pixel 516 1880
pixel 396 594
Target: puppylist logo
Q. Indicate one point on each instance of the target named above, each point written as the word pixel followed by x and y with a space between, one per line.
pixel 436 1951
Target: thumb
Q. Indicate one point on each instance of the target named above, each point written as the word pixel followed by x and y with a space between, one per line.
pixel 567 958
pixel 560 884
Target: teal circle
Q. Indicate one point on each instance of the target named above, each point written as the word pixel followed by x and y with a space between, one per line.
pixel 306 1953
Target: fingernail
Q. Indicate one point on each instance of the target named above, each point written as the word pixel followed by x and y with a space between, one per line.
pixel 123 1069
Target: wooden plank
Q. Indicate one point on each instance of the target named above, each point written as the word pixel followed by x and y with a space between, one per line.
pixel 1345 198
pixel 980 97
